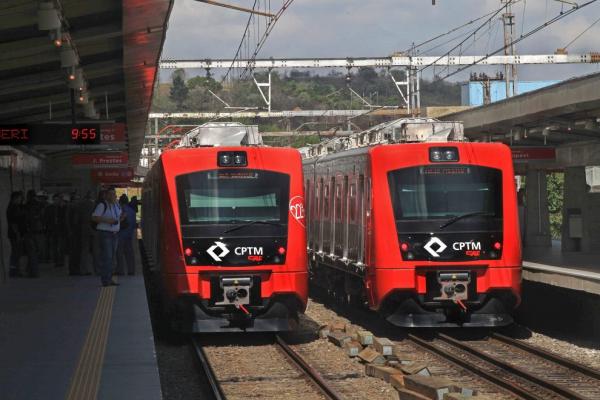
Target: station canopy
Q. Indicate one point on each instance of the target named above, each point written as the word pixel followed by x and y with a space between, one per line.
pixel 103 55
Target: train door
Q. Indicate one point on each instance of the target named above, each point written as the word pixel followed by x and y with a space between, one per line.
pixel 317 231
pixel 366 231
pixel 352 226
pixel 345 219
pixel 338 237
pixel 361 218
pixel 327 216
pixel 332 215
pixel 307 210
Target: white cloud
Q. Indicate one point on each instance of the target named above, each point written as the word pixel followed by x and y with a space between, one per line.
pixel 341 28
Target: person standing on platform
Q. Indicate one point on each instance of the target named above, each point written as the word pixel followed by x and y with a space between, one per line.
pixel 125 248
pixel 85 208
pixel 73 227
pixel 51 223
pixel 108 216
pixel 96 243
pixel 41 242
pixel 34 229
pixel 15 216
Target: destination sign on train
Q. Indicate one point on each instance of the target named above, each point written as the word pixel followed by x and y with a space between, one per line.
pixel 50 134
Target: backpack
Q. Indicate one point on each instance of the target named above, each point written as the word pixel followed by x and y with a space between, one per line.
pixel 93 223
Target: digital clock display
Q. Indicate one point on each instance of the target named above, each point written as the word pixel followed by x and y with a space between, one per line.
pixel 84 135
pixel 50 134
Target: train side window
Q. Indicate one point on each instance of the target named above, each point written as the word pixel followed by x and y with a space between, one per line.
pixel 338 202
pixel 318 195
pixel 352 202
pixel 326 202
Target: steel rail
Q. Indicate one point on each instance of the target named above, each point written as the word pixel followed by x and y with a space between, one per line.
pixel 208 371
pixel 544 383
pixel 309 371
pixel 590 372
pixel 502 384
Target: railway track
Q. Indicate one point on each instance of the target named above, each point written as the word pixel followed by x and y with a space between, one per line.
pixel 516 368
pixel 291 373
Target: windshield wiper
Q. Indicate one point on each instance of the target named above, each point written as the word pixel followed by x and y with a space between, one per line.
pixel 463 216
pixel 250 223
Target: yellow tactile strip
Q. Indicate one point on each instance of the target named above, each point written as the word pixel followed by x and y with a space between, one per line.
pixel 86 378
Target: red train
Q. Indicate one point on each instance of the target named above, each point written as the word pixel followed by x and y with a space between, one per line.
pixel 425 233
pixel 225 229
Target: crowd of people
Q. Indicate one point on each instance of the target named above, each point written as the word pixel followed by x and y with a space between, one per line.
pixel 90 235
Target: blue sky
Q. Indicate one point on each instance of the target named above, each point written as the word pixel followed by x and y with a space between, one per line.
pixel 344 28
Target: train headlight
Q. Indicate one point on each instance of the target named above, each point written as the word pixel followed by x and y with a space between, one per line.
pixel 443 154
pixel 239 159
pixel 232 159
pixel 224 159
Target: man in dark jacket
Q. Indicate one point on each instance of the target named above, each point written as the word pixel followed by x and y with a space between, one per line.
pixel 125 254
pixel 15 216
pixel 34 233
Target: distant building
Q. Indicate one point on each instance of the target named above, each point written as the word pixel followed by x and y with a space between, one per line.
pixel 472 93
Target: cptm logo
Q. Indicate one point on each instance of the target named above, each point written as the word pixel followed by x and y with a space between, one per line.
pixel 434 241
pixel 218 245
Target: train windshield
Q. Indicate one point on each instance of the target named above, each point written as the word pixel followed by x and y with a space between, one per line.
pixel 233 197
pixel 450 197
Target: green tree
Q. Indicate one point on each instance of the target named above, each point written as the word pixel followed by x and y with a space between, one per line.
pixel 179 90
pixel 556 182
pixel 202 82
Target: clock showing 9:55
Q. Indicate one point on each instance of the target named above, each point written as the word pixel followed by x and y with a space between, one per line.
pixel 85 134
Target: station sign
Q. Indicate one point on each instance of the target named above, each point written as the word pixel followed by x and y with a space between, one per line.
pixel 113 133
pixel 100 160
pixel 50 134
pixel 113 176
pixel 523 154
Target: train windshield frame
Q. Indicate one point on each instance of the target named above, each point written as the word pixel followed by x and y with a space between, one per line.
pixel 424 197
pixel 233 196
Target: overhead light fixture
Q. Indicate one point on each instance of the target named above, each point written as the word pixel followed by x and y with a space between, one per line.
pixel 89 110
pixel 48 17
pixel 77 81
pixel 83 97
pixel 68 57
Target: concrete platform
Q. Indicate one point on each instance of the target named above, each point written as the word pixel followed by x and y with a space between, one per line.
pixel 65 337
pixel 576 271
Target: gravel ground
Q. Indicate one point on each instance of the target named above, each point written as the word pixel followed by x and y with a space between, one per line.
pixel 346 375
pixel 180 376
pixel 244 378
pixel 585 353
pixel 320 313
pixel 258 372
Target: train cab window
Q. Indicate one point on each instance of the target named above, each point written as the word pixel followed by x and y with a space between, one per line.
pixel 230 197
pixel 428 193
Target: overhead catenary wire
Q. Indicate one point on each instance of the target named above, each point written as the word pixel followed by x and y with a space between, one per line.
pixel 582 33
pixel 560 16
pixel 493 15
pixel 433 39
pixel 269 28
pixel 240 46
